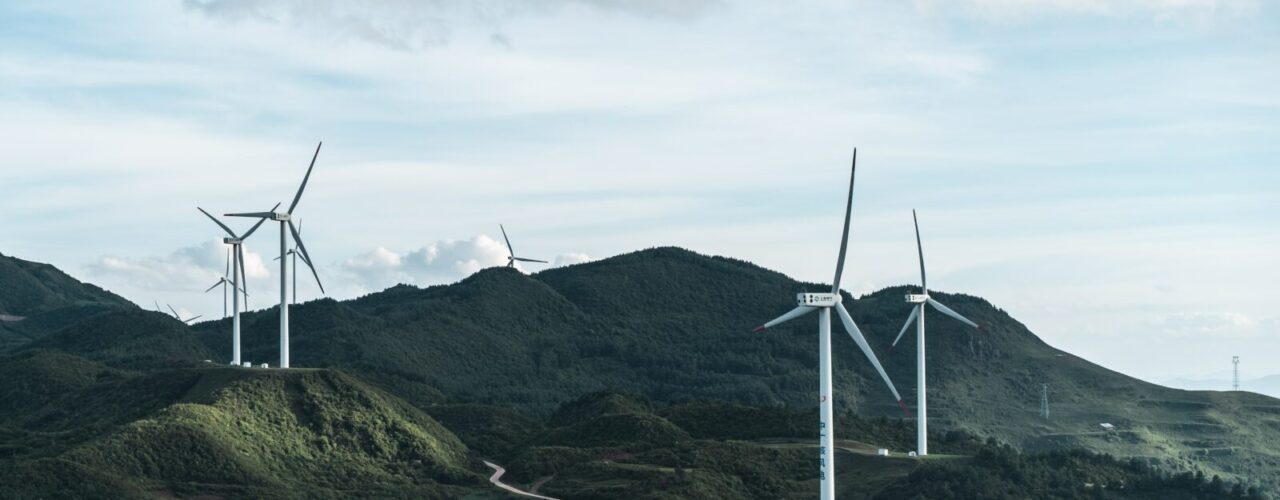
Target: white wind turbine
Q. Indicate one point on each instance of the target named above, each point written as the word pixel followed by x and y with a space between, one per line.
pixel 223 281
pixel 823 303
pixel 285 220
pixel 237 275
pixel 917 315
pixel 179 316
pixel 511 253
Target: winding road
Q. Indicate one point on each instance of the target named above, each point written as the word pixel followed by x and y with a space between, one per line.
pixel 496 479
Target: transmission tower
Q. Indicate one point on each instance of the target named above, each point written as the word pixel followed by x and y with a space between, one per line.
pixel 1235 373
pixel 1044 401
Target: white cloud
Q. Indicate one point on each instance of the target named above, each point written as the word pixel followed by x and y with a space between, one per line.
pixel 188 268
pixel 1217 324
pixel 409 24
pixel 1158 10
pixel 569 259
pixel 443 261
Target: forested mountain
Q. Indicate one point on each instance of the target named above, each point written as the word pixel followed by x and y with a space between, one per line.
pixel 502 359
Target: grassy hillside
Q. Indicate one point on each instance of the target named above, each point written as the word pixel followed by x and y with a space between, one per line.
pixel 231 432
pixel 29 288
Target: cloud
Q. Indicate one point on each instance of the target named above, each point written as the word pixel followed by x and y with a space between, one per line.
pixel 443 261
pixel 1200 323
pixel 569 259
pixel 412 24
pixel 1158 10
pixel 188 268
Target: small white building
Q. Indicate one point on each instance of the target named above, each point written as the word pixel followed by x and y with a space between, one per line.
pixel 248 364
pixel 264 365
pixel 884 452
pixel 1107 426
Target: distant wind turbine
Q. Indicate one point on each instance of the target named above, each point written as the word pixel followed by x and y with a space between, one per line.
pixel 511 257
pixel 223 281
pixel 286 221
pixel 237 275
pixel 179 316
pixel 917 315
pixel 824 303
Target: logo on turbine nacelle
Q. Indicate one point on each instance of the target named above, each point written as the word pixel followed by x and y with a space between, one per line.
pixel 916 298
pixel 817 299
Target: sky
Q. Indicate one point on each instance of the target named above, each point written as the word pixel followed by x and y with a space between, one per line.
pixel 1105 171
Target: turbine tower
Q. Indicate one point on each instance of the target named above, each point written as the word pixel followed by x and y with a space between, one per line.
pixel 823 303
pixel 223 281
pixel 293 252
pixel 917 315
pixel 1235 373
pixel 511 253
pixel 286 221
pixel 237 275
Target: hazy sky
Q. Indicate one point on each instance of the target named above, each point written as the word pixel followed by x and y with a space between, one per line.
pixel 1106 171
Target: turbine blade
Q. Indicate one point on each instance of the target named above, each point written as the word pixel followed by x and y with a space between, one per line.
pixel 793 314
pixel 510 250
pixel 306 257
pixel 260 221
pixel 261 215
pixel 947 311
pixel 175 313
pixel 915 311
pixel 244 277
pixel 227 271
pixel 844 238
pixel 305 178
pixel 158 306
pixel 189 320
pixel 215 285
pixel 859 339
pixel 218 222
pixel 924 287
pixel 522 259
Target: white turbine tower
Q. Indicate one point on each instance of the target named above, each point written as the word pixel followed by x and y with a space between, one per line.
pixel 917 315
pixel 238 278
pixel 223 281
pixel 511 253
pixel 293 252
pixel 285 220
pixel 824 303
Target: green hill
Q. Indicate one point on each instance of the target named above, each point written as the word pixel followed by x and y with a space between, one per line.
pixel 29 288
pixel 233 432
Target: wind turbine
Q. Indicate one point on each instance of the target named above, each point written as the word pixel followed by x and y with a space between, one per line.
pixel 917 315
pixel 237 273
pixel 224 282
pixel 285 220
pixel 823 303
pixel 511 257
pixel 179 316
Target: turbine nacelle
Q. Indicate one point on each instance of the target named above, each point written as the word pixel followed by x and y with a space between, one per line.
pixel 817 299
pixel 279 216
pixel 917 298
pixel 233 241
